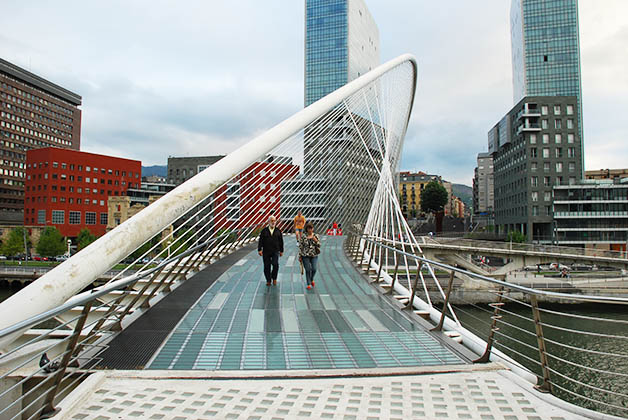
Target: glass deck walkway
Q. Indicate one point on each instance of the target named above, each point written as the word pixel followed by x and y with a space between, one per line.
pixel 240 323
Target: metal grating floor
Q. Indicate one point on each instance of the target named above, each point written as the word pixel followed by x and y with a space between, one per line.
pixel 240 323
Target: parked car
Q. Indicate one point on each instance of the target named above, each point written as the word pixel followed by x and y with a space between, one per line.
pixel 558 267
pixel 3 257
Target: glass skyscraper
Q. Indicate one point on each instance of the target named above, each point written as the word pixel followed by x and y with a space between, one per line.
pixel 341 43
pixel 546 50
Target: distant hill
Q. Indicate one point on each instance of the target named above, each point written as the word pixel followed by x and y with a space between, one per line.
pixel 159 170
pixel 463 192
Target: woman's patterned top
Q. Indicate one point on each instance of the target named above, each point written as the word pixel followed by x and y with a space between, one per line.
pixel 309 247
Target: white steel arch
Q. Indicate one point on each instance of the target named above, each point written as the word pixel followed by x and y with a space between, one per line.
pixel 379 102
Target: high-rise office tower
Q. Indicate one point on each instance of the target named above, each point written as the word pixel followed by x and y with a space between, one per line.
pixel 546 51
pixel 341 44
pixel 34 113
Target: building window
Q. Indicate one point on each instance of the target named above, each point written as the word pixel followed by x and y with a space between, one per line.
pixel 547 196
pixel 570 124
pixel 533 166
pixel 558 138
pixel 104 218
pixel 572 180
pixel 570 138
pixel 535 196
pixel 535 210
pixel 545 138
pixel 559 166
pixel 533 152
pixel 75 217
pixel 544 124
pixel 58 217
pixel 556 109
pixel 41 217
pixel 547 181
pixel 546 152
pixel 571 152
pixel 569 109
pixel 544 109
pixel 559 152
pixel 546 166
pixel 233 201
pixel 534 181
pixel 572 167
pixel 532 138
pixel 90 218
pixel 558 124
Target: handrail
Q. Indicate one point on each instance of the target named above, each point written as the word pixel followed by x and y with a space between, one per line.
pixel 520 335
pixel 536 292
pixel 95 293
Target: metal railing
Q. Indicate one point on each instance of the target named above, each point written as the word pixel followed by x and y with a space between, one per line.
pixel 579 357
pixel 48 362
pixel 529 248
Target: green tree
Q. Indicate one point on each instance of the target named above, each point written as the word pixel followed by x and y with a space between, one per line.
pixel 516 236
pixel 84 238
pixel 51 243
pixel 433 200
pixel 15 243
pixel 433 197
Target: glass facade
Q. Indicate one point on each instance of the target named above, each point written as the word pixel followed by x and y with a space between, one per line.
pixel 546 50
pixel 341 44
pixel 326 42
pixel 592 213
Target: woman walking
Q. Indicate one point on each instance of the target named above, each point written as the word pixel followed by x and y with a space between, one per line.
pixel 309 248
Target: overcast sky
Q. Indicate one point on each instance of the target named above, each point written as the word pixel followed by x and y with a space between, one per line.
pixel 190 78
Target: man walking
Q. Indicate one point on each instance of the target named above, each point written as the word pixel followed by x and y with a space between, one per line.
pixel 270 248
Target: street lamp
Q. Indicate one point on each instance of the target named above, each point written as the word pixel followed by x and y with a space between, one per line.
pixel 69 243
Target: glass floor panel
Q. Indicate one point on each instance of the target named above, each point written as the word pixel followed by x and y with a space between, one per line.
pixel 240 323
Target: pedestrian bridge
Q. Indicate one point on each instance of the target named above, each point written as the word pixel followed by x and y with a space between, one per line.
pixel 377 337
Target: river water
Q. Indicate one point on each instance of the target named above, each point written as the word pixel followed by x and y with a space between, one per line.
pixel 594 357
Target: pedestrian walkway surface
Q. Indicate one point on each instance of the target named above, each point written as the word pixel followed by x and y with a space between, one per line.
pixel 343 322
pixel 473 392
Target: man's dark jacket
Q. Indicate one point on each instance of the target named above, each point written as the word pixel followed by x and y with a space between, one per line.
pixel 268 243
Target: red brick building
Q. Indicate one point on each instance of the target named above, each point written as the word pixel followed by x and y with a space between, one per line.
pixel 69 189
pixel 253 196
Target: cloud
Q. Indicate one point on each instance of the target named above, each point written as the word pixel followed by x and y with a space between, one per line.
pixel 160 78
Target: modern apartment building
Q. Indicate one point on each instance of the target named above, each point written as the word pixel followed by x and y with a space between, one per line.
pixel 592 214
pixel 34 113
pixel 534 147
pixel 341 44
pixel 69 189
pixel 483 196
pixel 546 51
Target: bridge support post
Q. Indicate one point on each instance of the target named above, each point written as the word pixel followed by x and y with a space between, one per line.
pixel 439 327
pixel 546 386
pixel 414 286
pixel 485 358
pixel 394 277
pixel 48 408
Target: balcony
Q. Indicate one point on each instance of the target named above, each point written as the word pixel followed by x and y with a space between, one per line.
pixel 528 127
pixel 589 214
